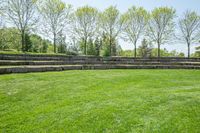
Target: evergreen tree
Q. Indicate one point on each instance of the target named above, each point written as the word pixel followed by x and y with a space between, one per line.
pixel 44 47
pixel 61 43
pixel 91 48
pixel 28 43
pixel 98 44
pixel 145 49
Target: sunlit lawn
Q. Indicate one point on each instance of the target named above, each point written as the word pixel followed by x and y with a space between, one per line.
pixel 101 101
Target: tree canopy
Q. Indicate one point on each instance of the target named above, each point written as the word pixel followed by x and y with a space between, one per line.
pixel 88 31
pixel 161 26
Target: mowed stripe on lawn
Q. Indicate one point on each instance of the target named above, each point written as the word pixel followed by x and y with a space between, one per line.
pixel 101 101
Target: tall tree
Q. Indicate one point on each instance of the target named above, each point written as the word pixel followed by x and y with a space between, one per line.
pixel 21 13
pixel 145 49
pixel 189 26
pixel 62 46
pixel 111 24
pixel 161 26
pixel 134 26
pixel 3 44
pixel 85 24
pixel 1 27
pixel 55 17
pixel 98 45
pixel 28 45
pixel 91 47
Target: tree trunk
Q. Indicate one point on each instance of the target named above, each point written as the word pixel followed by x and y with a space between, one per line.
pixel 110 46
pixel 158 49
pixel 54 42
pixel 23 40
pixel 135 50
pixel 188 50
pixel 1 41
pixel 85 46
pixel 99 47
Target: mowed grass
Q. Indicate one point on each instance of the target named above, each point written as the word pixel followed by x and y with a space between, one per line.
pixel 109 101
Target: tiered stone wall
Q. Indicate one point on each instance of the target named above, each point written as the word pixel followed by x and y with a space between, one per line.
pixel 22 63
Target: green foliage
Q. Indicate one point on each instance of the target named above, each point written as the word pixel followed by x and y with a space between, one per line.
pixel 135 23
pixel 110 16
pixel 82 45
pixel 11 39
pixel 197 52
pixel 105 46
pixel 51 6
pixel 159 12
pixel 127 53
pixel 55 17
pixel 61 42
pixel 189 26
pixel 111 23
pixel 161 26
pixel 145 49
pixel 85 25
pixel 96 33
pixel 98 46
pixel 38 44
pixel 28 43
pixel 106 50
pixel 62 48
pixel 165 53
pixel 84 13
pixel 91 48
pixel 22 15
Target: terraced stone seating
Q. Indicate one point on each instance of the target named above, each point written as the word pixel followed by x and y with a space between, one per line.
pixel 24 63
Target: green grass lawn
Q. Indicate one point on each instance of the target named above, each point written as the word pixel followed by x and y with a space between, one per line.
pixel 108 101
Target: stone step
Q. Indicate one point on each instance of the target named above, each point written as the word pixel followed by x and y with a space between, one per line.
pixel 96 59
pixel 20 62
pixel 26 69
pixel 91 58
pixel 46 57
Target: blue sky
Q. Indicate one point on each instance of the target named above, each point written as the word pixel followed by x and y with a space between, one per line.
pixel 123 5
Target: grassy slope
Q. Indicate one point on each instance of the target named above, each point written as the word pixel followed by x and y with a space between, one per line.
pixel 101 101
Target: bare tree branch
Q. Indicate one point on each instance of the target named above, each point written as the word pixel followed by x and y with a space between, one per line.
pixel 189 26
pixel 21 14
pixel 111 24
pixel 134 26
pixel 161 26
pixel 55 18
pixel 85 24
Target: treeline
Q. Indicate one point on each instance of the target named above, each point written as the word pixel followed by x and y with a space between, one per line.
pixel 10 40
pixel 88 31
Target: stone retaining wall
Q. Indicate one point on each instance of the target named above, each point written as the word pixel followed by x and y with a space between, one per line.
pixel 24 63
pixel 90 58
